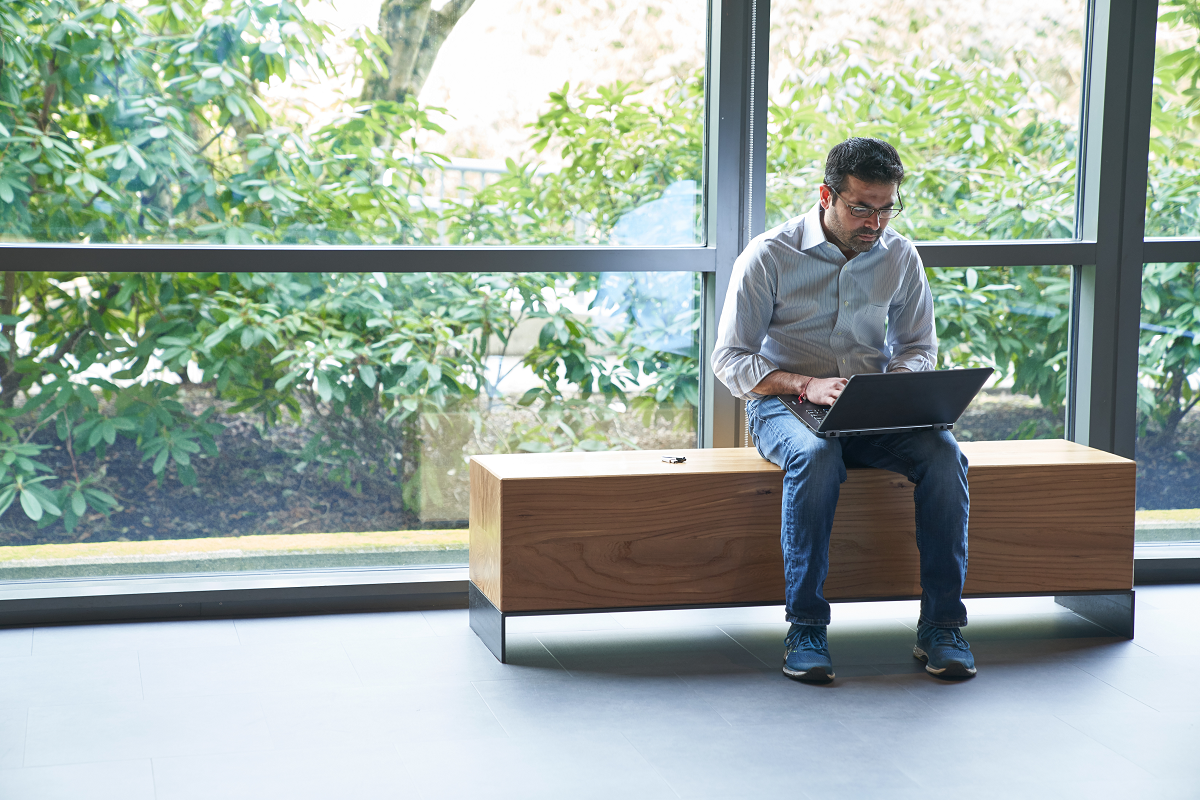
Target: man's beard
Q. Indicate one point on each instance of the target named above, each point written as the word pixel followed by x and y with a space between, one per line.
pixel 847 239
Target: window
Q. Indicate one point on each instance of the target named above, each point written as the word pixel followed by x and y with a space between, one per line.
pixel 1015 320
pixel 218 422
pixel 267 126
pixel 1173 191
pixel 982 102
pixel 260 122
pixel 1168 416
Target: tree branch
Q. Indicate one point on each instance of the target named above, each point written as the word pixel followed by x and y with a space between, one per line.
pixel 9 378
pixel 67 345
pixel 453 11
pixel 216 136
pixel 48 95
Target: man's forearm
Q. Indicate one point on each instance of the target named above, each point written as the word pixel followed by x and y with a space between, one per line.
pixel 780 382
pixel 822 391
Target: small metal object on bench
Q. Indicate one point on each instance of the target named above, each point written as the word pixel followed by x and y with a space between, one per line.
pixel 580 532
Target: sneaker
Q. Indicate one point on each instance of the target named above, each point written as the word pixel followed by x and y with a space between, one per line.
pixel 945 652
pixel 806 657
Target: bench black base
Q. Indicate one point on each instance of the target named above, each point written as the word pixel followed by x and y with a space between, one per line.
pixel 1112 612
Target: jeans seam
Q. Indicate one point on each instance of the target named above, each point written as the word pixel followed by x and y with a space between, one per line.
pixel 774 429
pixel 911 476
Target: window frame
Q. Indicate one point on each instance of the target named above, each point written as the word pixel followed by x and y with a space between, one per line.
pixel 1108 250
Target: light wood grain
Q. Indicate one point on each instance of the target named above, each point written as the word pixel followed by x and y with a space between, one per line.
pixel 1043 529
pixel 588 542
pixel 485 533
pixel 1032 452
pixel 581 532
pixel 711 461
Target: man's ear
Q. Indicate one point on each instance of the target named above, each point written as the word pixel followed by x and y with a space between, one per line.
pixel 826 196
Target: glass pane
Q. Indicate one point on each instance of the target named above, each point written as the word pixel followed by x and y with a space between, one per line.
pixel 1015 320
pixel 1168 443
pixel 1173 191
pixel 982 102
pixel 319 121
pixel 168 423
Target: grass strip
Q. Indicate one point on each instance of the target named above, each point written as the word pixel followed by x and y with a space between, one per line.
pixel 1169 515
pixel 286 543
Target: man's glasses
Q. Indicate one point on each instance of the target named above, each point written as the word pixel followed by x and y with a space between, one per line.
pixel 866 212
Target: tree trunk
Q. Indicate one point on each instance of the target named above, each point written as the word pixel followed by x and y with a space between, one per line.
pixel 415 33
pixel 10 303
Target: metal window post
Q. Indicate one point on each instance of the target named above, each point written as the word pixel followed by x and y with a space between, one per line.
pixel 739 38
pixel 1112 210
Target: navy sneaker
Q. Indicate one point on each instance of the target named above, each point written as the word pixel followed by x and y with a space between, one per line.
pixel 806 657
pixel 945 652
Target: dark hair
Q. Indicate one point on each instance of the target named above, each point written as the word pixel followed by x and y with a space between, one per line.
pixel 869 160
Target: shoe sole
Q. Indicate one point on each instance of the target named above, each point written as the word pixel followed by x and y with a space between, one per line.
pixel 953 671
pixel 814 675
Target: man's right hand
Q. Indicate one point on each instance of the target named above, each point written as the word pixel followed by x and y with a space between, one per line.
pixel 824 391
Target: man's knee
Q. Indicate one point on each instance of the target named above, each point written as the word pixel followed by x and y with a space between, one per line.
pixel 945 462
pixel 816 459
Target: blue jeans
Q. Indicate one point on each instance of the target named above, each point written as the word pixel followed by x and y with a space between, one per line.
pixel 814 469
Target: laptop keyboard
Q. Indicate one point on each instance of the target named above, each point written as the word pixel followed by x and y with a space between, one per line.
pixel 818 415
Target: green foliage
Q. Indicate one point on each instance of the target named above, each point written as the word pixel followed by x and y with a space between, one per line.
pixel 1017 323
pixel 983 161
pixel 619 152
pixel 124 123
pixel 374 365
pixel 1169 349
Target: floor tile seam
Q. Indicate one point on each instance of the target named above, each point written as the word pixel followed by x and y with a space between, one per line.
pixel 653 767
pixel 905 686
pixel 700 699
pixel 491 711
pixel 1147 770
pixel 538 638
pixel 138 760
pixel 349 658
pixel 25 740
pixel 743 647
pixel 33 636
pixel 218 751
pixel 1116 688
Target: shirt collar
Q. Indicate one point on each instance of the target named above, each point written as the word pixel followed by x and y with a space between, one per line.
pixel 814 233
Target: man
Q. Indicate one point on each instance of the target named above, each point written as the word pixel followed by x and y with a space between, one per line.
pixel 812 302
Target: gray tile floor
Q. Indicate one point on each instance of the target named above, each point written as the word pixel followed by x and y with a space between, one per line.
pixel 685 704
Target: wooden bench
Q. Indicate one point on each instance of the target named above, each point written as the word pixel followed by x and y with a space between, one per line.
pixel 576 532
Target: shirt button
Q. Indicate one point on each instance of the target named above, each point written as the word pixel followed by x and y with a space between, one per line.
pixel 847 302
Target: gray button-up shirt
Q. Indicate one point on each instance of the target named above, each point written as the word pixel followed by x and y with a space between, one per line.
pixel 796 304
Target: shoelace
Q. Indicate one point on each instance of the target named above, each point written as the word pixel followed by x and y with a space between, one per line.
pixel 809 637
pixel 949 637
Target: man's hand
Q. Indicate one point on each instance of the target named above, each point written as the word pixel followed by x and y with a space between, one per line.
pixel 824 391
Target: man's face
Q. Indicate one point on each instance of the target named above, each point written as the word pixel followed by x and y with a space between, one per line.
pixel 857 234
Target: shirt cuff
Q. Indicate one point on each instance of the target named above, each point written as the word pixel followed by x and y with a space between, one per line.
pixel 742 377
pixel 913 361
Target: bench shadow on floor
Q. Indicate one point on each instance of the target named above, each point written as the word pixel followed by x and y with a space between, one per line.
pixel 735 641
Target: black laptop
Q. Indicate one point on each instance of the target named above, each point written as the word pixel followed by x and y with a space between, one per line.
pixel 893 402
